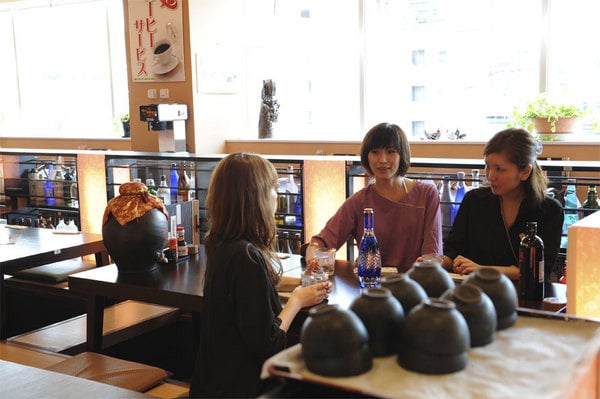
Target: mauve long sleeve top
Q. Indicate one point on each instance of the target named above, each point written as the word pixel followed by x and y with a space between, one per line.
pixel 405 229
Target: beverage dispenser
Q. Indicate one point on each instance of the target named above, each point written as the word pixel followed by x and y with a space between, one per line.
pixel 168 120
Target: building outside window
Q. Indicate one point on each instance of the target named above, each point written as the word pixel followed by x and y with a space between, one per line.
pixel 63 71
pixel 340 66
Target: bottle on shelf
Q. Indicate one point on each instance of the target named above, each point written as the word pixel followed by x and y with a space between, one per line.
pixel 163 192
pixel 151 185
pixel 33 177
pixel 369 257
pixel 287 248
pixel 2 188
pixel 571 214
pixel 183 184
pixel 459 194
pixel 192 181
pixel 49 186
pixel 59 188
pixel 474 178
pixel 67 187
pixel 591 203
pixel 290 188
pixel 446 206
pixel 297 243
pixel 531 265
pixel 298 207
pixel 173 182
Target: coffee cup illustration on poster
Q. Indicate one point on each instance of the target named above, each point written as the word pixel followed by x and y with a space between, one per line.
pixel 156 40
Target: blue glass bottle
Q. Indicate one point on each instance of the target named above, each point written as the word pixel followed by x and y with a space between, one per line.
pixel 49 187
pixel 460 193
pixel 173 183
pixel 369 257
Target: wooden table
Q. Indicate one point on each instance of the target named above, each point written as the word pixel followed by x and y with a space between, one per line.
pixel 19 381
pixel 177 285
pixel 34 247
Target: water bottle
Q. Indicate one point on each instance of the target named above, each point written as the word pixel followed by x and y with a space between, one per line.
pixel 369 257
pixel 571 213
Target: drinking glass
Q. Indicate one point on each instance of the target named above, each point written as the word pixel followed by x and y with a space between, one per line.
pixel 326 259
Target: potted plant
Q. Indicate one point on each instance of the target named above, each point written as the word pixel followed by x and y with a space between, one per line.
pixel 548 117
pixel 126 125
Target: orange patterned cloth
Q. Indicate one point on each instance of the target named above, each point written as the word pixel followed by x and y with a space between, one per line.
pixel 133 202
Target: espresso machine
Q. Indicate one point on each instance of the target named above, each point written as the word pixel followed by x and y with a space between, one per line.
pixel 168 120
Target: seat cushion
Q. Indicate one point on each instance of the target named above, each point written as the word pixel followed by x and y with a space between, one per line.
pixel 54 272
pixel 109 370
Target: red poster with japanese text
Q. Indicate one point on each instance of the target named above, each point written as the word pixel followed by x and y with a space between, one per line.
pixel 156 40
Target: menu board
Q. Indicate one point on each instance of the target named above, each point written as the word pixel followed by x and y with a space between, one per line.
pixel 156 40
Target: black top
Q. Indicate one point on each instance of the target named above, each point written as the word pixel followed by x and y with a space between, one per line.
pixel 478 232
pixel 240 327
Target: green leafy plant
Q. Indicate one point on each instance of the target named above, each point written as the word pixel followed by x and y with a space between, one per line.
pixel 125 118
pixel 542 108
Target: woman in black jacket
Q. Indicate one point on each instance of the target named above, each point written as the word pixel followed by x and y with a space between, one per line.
pixel 491 220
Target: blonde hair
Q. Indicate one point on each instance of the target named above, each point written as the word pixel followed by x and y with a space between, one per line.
pixel 240 207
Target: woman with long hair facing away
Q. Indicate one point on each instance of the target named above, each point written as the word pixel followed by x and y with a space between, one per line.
pixel 243 322
pixel 491 220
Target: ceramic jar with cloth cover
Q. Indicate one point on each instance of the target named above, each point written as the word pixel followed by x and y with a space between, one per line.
pixel 135 229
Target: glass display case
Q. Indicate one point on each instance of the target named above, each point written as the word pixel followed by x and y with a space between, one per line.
pixel 39 189
pixel 154 168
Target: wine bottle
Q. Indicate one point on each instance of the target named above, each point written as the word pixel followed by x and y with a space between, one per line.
pixel 531 265
pixel 369 257
pixel 183 185
pixel 163 191
pixel 591 202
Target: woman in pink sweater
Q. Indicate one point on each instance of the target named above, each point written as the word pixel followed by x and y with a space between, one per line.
pixel 407 211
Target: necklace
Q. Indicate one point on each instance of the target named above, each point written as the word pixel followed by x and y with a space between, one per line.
pixel 512 249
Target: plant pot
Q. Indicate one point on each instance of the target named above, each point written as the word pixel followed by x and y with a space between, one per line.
pixel 126 129
pixel 562 125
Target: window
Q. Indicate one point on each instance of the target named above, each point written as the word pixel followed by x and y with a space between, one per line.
pixel 63 68
pixel 342 66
